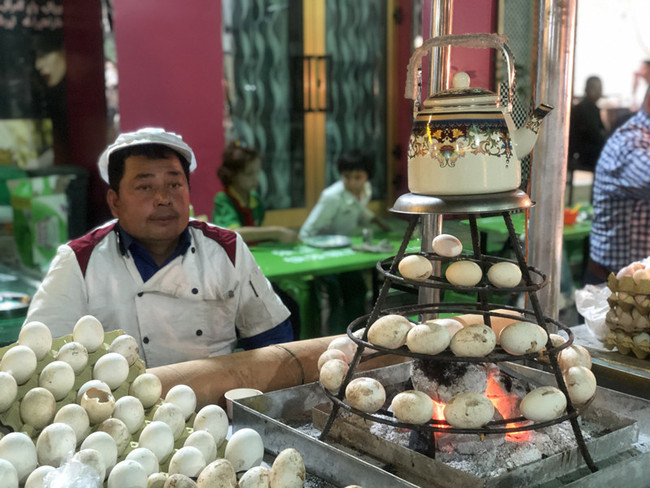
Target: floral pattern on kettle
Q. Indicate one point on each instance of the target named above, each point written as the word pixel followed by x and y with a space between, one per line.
pixel 447 143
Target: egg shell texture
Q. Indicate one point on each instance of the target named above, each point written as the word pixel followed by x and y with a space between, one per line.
pixel 469 410
pixel 428 338
pixel 523 338
pixel 504 275
pixel 187 460
pixel 543 404
pixel 245 449
pixel 184 398
pixel 473 341
pixel 127 474
pixel 36 336
pixel 415 267
pixel 218 473
pixel 447 245
pixel 256 477
pixel 389 331
pixel 464 273
pixel 288 470
pixel 89 332
pixel 19 450
pixel 413 407
pixel 580 383
pixel 332 374
pixel 365 394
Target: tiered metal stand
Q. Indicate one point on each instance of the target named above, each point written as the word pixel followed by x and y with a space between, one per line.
pixel 473 206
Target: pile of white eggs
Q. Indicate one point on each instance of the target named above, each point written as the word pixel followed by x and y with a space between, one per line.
pixel 468 409
pixel 83 405
pixel 463 272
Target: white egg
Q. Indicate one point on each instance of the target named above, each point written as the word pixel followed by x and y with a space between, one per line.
pixel 93 459
pixel 55 444
pixel 219 473
pixel 389 331
pixel 428 338
pixel 332 374
pixel 214 419
pixel 365 394
pixel 188 460
pixel 112 368
pixel 127 346
pixel 245 449
pixel 36 336
pixel 504 275
pixel 288 470
pixel 580 383
pixel 130 411
pixel 204 442
pixel 157 480
pixel 523 338
pixel 100 385
pixel 8 390
pixel 184 398
pixel 8 475
pixel 58 377
pixel 75 354
pixel 127 474
pixel 447 245
pixel 556 339
pixel 464 273
pixel 158 437
pixel 19 449
pixel 543 404
pixel 473 341
pixel 413 407
pixel 76 417
pixel 172 416
pixel 37 408
pixel 346 345
pixel 105 445
pixel 118 431
pixel 20 362
pixel 147 388
pixel 415 267
pixel 256 477
pixel 98 404
pixel 146 458
pixel 574 355
pixel 89 332
pixel 469 410
pixel 37 477
pixel 452 325
pixel 331 354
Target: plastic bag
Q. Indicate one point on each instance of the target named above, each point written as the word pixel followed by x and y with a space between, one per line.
pixel 591 302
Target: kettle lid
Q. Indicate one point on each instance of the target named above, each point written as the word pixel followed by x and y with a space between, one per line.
pixel 462 95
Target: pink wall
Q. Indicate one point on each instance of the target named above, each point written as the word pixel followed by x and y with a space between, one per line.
pixel 170 68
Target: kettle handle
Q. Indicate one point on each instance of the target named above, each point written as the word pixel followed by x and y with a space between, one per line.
pixel 476 41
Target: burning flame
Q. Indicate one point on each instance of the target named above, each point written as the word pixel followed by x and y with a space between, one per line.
pixel 506 403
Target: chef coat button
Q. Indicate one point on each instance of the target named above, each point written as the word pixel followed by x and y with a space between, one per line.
pixel 140 294
pixel 231 293
pixel 193 250
pixel 145 340
pixel 199 332
pixel 195 291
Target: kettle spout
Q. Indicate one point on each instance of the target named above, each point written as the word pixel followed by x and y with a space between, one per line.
pixel 525 137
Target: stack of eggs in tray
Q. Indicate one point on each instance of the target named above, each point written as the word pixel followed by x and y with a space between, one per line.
pixel 466 337
pixel 629 316
pixel 81 410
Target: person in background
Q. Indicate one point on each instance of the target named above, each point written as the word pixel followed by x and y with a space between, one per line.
pixel 342 210
pixel 586 131
pixel 239 208
pixel 184 289
pixel 620 233
pixel 50 63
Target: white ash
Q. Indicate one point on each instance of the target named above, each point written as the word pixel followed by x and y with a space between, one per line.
pixel 443 381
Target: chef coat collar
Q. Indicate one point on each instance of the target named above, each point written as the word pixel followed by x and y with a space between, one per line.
pixel 142 258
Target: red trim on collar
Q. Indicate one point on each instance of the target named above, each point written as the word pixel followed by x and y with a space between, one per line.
pixel 83 246
pixel 224 237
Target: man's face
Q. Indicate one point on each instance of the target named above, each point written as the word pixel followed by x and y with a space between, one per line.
pixel 248 180
pixel 154 199
pixel 354 181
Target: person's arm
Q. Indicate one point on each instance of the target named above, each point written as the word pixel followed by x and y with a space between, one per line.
pixel 266 233
pixel 277 335
pixel 320 218
pixel 61 298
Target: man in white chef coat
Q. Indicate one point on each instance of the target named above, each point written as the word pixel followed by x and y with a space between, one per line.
pixel 184 289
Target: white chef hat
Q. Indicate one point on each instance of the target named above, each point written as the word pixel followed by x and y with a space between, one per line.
pixel 146 135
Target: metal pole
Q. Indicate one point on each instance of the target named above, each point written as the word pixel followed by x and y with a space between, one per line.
pixel 556 49
pixel 441 17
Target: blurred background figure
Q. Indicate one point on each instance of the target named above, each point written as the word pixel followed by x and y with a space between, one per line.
pixel 239 207
pixel 640 84
pixel 587 132
pixel 51 65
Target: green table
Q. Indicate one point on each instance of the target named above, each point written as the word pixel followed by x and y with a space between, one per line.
pixel 293 267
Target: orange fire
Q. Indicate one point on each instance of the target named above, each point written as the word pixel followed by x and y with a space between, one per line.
pixel 506 403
